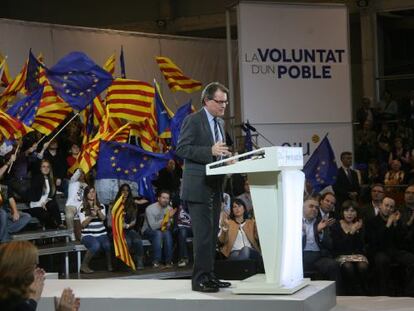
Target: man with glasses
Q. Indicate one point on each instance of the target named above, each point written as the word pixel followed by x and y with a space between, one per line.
pixel 202 141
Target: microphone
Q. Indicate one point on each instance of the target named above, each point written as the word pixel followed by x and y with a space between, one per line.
pixel 250 127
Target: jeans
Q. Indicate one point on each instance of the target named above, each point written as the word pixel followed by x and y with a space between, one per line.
pixel 158 237
pixel 134 242
pixel 96 244
pixel 245 253
pixel 183 234
pixel 7 225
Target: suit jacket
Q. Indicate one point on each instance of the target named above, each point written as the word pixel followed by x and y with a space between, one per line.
pixel 324 243
pixel 194 146
pixel 344 185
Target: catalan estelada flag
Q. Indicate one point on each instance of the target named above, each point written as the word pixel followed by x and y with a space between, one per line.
pixel 120 244
pixel 5 78
pixel 175 77
pixel 130 99
pixel 11 128
pixel 13 88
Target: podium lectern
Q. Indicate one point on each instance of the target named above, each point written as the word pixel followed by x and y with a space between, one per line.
pixel 276 186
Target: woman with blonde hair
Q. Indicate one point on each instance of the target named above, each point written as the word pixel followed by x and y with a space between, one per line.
pixel 21 281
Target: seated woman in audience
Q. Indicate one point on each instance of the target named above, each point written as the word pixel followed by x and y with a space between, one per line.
pixel 238 235
pixel 132 236
pixel 93 235
pixel 43 204
pixel 395 176
pixel 398 152
pixel 21 281
pixel 348 247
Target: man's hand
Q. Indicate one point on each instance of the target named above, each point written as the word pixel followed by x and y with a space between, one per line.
pixel 220 149
pixel 12 158
pixel 32 148
pixel 58 182
pixel 325 223
pixel 67 302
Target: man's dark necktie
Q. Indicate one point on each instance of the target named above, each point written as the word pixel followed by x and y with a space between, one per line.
pixel 216 130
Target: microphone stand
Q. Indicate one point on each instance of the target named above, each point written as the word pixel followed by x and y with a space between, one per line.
pixel 253 129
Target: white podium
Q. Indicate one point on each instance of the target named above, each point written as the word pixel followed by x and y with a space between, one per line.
pixel 276 186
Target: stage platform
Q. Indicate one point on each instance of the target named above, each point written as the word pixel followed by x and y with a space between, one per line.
pixel 176 295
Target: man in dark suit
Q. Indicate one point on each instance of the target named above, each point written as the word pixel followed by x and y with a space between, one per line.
pixel 347 183
pixel 202 142
pixel 371 209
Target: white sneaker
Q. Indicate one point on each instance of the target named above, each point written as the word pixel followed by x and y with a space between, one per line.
pixel 182 263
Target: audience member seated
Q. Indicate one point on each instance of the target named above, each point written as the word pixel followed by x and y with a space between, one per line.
pixel 57 161
pixel 238 235
pixel 371 209
pixel 327 206
pixel 77 185
pixel 348 248
pixel 365 143
pixel 157 228
pixel 43 204
pixel 317 243
pixel 388 107
pixel 347 183
pixel 373 173
pixel 22 281
pixel 247 198
pixel 11 219
pixel 169 178
pixel 395 176
pixel 365 112
pixel 405 133
pixel 93 235
pixel 407 216
pixel 385 237
pixel 184 231
pixel 398 152
pixel 132 237
pixel 384 140
pixel 407 109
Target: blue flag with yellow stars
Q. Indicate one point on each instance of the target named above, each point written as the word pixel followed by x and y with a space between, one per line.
pixel 321 169
pixel 32 75
pixel 146 190
pixel 125 161
pixel 25 109
pixel 78 80
pixel 177 121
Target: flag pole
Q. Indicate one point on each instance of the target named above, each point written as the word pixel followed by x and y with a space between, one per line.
pixel 3 65
pixel 62 128
pixel 11 164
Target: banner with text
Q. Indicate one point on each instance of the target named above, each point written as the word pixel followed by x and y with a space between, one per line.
pixel 294 63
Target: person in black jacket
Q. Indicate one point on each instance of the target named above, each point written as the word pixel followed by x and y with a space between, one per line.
pixel 385 242
pixel 349 249
pixel 42 197
pixel 347 183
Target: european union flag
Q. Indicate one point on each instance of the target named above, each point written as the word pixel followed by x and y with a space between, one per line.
pixel 25 110
pixel 78 80
pixel 146 189
pixel 125 161
pixel 177 121
pixel 162 114
pixel 321 169
pixel 32 75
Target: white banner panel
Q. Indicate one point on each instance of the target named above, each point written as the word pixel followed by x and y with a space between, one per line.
pixel 307 136
pixel 294 63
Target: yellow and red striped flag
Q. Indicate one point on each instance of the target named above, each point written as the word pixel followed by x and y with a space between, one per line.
pixel 5 78
pixel 110 64
pixel 13 88
pixel 130 99
pixel 147 135
pixel 11 128
pixel 120 243
pixel 175 77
